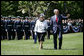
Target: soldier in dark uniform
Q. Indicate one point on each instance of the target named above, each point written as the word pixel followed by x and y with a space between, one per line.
pixel 2 28
pixel 22 32
pixel 18 28
pixel 13 31
pixel 5 28
pixel 29 20
pixel 26 28
pixel 9 28
pixel 48 30
pixel 32 28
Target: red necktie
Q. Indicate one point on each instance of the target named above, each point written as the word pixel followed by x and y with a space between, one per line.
pixel 56 19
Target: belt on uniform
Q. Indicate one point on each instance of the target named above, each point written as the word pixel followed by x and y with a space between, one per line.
pixel 1 25
pixel 26 26
pixel 9 25
pixel 18 25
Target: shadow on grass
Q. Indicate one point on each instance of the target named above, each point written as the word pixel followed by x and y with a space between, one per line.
pixel 48 48
pixel 72 49
pixel 62 49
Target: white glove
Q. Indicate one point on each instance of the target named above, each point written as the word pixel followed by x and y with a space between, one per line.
pixel 35 33
pixel 14 29
pixel 6 30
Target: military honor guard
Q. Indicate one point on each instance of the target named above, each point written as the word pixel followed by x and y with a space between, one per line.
pixel 18 28
pixel 26 28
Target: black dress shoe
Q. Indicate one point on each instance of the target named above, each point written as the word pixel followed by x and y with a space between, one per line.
pixel 55 48
pixel 59 48
pixel 35 42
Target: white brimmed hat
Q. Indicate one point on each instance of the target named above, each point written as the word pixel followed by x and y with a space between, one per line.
pixel 42 15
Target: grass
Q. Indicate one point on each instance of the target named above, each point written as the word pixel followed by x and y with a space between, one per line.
pixel 72 45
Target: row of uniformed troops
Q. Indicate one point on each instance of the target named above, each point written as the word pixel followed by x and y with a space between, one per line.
pixel 17 27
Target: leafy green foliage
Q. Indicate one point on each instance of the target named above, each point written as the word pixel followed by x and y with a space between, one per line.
pixel 75 8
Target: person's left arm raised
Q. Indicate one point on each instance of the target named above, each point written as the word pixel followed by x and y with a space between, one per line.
pixel 68 15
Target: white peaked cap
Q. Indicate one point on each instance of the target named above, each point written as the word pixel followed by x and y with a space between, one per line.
pixel 42 15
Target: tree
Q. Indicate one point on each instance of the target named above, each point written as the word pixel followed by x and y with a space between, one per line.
pixel 9 8
pixel 14 8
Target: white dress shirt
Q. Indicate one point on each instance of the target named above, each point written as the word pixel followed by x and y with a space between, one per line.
pixel 40 26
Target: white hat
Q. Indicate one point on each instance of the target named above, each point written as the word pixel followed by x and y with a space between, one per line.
pixel 42 15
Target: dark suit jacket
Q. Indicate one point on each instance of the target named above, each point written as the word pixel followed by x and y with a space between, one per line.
pixel 54 24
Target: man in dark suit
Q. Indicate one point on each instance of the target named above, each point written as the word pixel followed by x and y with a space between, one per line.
pixel 56 26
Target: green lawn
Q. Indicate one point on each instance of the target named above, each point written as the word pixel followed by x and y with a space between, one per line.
pixel 72 45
